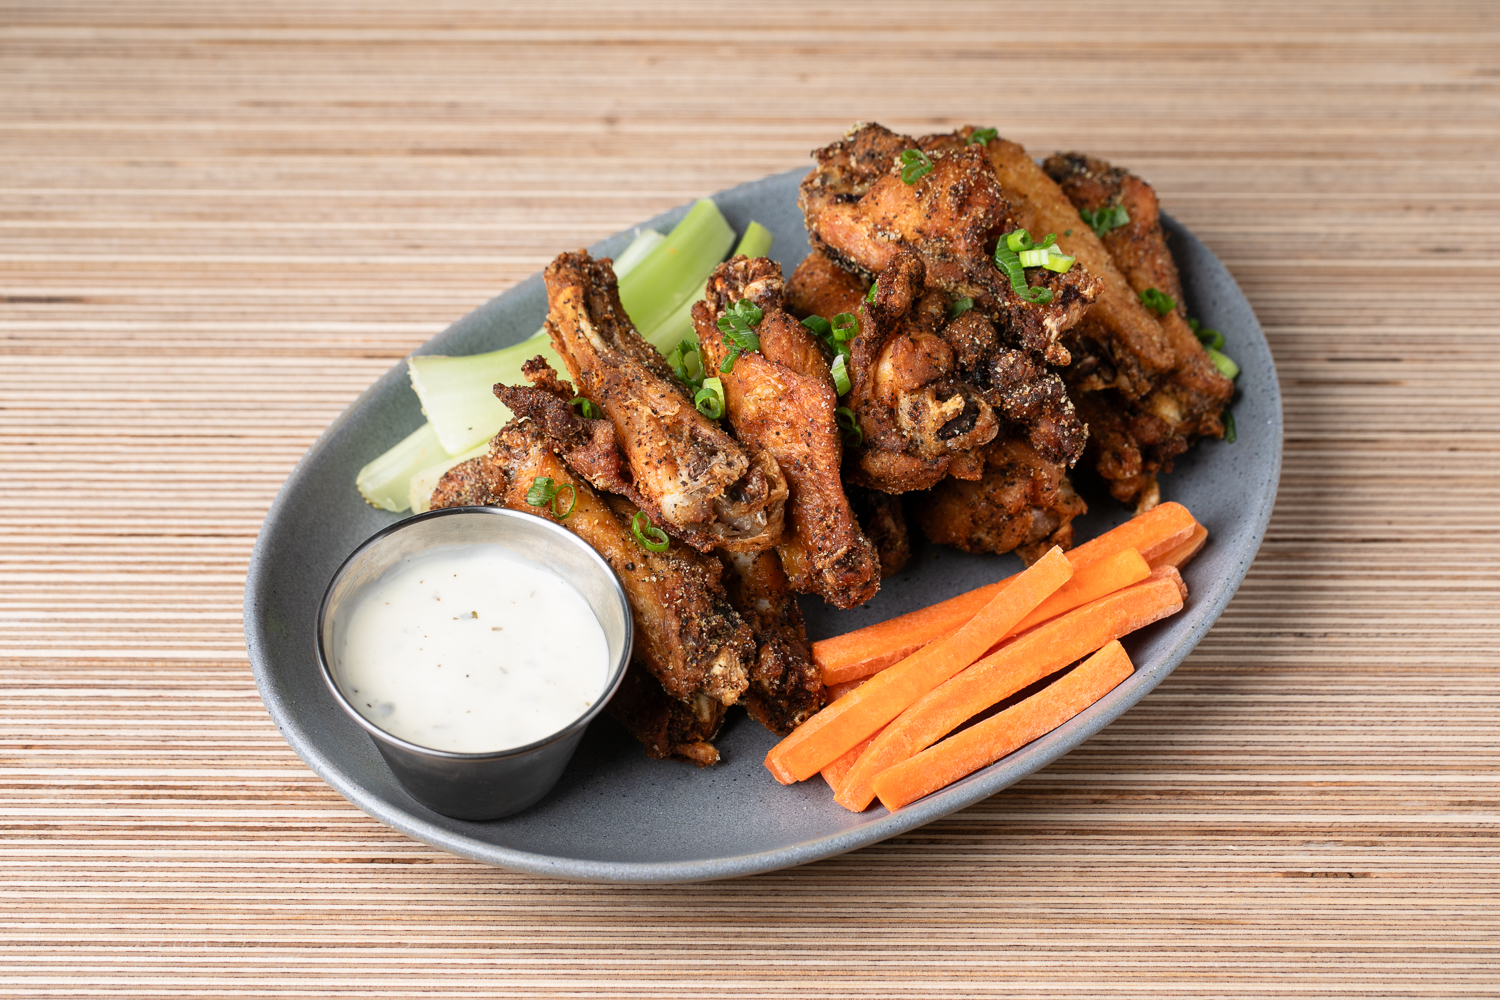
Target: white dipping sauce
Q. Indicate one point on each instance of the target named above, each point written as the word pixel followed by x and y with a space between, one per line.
pixel 471 648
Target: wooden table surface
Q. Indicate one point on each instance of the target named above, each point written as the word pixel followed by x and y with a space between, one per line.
pixel 220 222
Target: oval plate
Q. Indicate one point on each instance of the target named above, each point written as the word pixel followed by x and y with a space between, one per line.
pixel 617 816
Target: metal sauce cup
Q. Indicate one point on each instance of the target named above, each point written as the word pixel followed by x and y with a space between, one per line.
pixel 481 786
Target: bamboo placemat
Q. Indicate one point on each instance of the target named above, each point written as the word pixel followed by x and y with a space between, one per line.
pixel 222 221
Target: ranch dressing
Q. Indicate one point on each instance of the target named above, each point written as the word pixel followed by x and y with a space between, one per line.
pixel 470 648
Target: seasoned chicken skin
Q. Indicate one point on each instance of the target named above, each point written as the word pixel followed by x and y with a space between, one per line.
pixel 687 634
pixel 694 480
pixel 664 726
pixel 1022 502
pixel 786 687
pixel 780 400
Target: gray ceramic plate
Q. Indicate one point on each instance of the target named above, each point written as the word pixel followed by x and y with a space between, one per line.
pixel 616 816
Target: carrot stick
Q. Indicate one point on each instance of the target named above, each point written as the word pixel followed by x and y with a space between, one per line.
pixel 1106 576
pixel 837 691
pixel 834 773
pixel 1181 554
pixel 849 671
pixel 983 744
pixel 829 734
pixel 1159 530
pixel 1021 662
pixel 871 649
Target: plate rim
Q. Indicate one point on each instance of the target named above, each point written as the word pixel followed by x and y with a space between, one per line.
pixel 974 788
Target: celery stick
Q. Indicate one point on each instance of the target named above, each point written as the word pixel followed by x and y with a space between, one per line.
pixel 424 481
pixel 643 244
pixel 679 326
pixel 677 268
pixel 385 482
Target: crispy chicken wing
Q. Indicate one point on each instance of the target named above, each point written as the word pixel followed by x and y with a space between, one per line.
pixel 665 726
pixel 861 213
pixel 1141 434
pixel 819 287
pixel 687 634
pixel 695 481
pixel 884 523
pixel 786 687
pixel 1022 502
pixel 780 400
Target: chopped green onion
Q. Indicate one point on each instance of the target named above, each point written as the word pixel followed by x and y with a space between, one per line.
pixel 1223 362
pixel 870 295
pixel 586 407
pixel 1158 301
pixel 840 372
pixel 1104 218
pixel 845 327
pixel 650 537
pixel 915 165
pixel 710 399
pixel 980 136
pixel 678 362
pixel 572 501
pixel 542 491
pixel 854 435
pixel 821 328
pixel 1229 433
pixel 737 328
pixel 1008 259
pixel 960 307
pixel 1207 337
pixel 1059 262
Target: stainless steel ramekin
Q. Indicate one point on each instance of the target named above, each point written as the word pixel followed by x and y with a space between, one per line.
pixel 481 786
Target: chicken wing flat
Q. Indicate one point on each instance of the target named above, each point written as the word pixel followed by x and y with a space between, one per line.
pixel 687 634
pixel 1141 435
pixel 664 726
pixel 861 213
pixel 1022 502
pixel 693 479
pixel 786 687
pixel 780 400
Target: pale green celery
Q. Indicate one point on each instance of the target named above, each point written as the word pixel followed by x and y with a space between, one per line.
pixel 457 393
pixel 677 268
pixel 386 482
pixel 424 481
pixel 679 326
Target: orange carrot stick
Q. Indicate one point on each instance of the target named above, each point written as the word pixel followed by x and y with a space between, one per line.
pixel 864 668
pixel 1159 530
pixel 1181 554
pixel 829 734
pixel 871 649
pixel 837 691
pixel 1106 576
pixel 834 773
pixel 1023 661
pixel 982 744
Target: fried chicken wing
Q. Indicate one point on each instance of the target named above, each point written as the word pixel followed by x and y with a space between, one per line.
pixel 687 634
pixel 786 687
pixel 780 400
pixel 884 523
pixel 1022 502
pixel 819 287
pixel 694 480
pixel 665 726
pixel 1141 434
pixel 861 213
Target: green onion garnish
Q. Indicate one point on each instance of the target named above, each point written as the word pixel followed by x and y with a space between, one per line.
pixel 1223 362
pixel 650 537
pixel 737 327
pixel 870 295
pixel 1209 338
pixel 1008 259
pixel 840 371
pixel 586 407
pixel 544 492
pixel 960 307
pixel 1229 434
pixel 854 435
pixel 845 327
pixel 1101 220
pixel 678 361
pixel 1158 301
pixel 821 328
pixel 915 165
pixel 980 136
pixel 710 399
